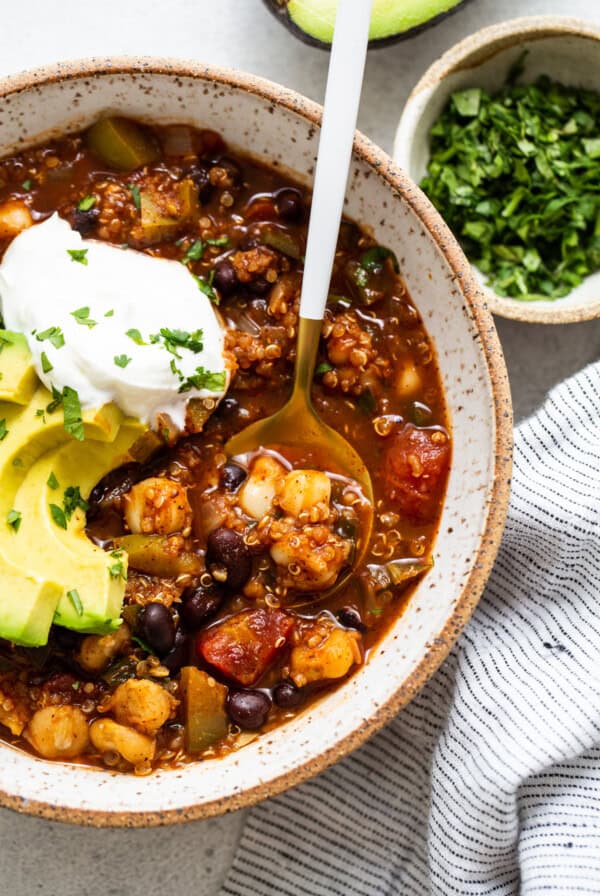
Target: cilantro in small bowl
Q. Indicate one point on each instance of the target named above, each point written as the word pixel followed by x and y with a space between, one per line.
pixel 503 135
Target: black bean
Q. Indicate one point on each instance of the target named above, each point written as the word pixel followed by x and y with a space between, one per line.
pixel 225 278
pixel 287 695
pixel 232 476
pixel 289 204
pixel 229 405
pixel 351 618
pixel 85 221
pixel 113 486
pixel 157 628
pixel 179 653
pixel 259 286
pixel 248 709
pixel 200 176
pixel 228 558
pixel 199 605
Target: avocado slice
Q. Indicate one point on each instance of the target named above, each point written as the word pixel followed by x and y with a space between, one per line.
pixel 17 373
pixel 77 564
pixel 391 20
pixel 29 600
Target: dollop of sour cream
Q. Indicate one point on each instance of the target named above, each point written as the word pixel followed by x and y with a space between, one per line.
pixel 108 306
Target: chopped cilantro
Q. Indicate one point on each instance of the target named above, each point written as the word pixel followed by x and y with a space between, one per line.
pixel 13 519
pixel 515 174
pixel 54 335
pixel 4 341
pixel 204 379
pixel 72 500
pixel 82 316
pixel 72 413
pixel 26 185
pixel 79 255
pixel 110 313
pixel 374 259
pixel 322 368
pixel 46 365
pixel 136 336
pixel 58 515
pixel 85 204
pixel 122 360
pixel 73 596
pixel 3 429
pixel 117 569
pixel 135 195
pixel 57 400
pixel 218 241
pixel 141 643
pixel 206 287
pixel 52 482
pixel 194 253
pixel 174 339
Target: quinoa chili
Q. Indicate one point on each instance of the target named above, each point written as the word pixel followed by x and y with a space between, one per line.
pixel 229 627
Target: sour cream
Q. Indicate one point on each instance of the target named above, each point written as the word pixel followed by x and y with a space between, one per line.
pixel 96 294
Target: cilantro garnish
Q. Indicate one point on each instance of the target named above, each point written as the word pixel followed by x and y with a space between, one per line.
pixel 204 379
pixel 72 413
pixel 52 482
pixel 135 195
pixel 26 185
pixel 110 313
pixel 4 341
pixel 194 253
pixel 122 360
pixel 54 335
pixel 73 596
pixel 3 429
pixel 47 366
pixel 58 515
pixel 57 400
pixel 174 339
pixel 82 316
pixel 205 286
pixel 136 336
pixel 13 519
pixel 79 255
pixel 322 368
pixel 117 570
pixel 515 175
pixel 85 204
pixel 374 259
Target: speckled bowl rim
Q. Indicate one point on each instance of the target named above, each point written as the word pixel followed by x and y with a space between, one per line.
pixel 482 564
pixel 496 38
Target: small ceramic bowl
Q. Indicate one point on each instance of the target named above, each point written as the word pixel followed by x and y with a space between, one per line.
pixel 568 51
pixel 282 128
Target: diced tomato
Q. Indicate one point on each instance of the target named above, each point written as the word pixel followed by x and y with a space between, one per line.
pixel 243 647
pixel 414 470
pixel 261 210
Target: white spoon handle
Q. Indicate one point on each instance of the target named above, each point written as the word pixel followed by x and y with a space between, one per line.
pixel 342 96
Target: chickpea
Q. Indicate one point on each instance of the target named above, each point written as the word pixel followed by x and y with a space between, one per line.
pixel 325 653
pixel 142 704
pixel 408 380
pixel 260 489
pixel 158 506
pixel 14 217
pixel 96 651
pixel 110 737
pixel 304 489
pixel 58 732
pixel 308 562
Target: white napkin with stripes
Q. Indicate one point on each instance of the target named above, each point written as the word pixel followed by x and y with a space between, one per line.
pixel 488 782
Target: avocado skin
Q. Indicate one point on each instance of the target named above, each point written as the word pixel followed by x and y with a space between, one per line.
pixel 281 14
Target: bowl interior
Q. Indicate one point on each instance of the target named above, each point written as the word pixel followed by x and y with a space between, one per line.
pixel 474 379
pixel 485 61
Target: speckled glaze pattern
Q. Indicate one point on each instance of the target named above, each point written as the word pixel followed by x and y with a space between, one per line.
pixel 567 50
pixel 282 128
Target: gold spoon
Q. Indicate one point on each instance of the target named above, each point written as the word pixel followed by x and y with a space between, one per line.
pixel 297 424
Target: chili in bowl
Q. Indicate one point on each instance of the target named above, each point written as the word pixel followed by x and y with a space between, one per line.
pixel 177 610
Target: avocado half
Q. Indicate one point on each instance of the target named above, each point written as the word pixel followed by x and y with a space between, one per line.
pixel 391 20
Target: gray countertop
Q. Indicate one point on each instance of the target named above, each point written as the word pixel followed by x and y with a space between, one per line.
pixel 57 860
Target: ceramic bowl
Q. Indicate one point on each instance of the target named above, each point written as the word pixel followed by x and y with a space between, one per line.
pixel 282 128
pixel 568 51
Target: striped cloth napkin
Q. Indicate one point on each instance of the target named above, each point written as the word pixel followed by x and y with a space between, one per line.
pixel 489 782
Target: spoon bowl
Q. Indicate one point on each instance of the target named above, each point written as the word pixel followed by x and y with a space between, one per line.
pixel 297 424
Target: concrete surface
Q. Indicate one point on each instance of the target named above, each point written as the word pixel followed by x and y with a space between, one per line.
pixel 57 860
